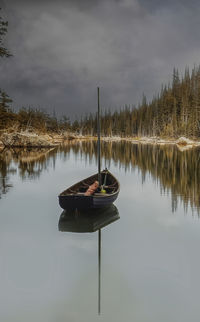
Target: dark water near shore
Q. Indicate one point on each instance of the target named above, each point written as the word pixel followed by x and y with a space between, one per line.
pixel 149 257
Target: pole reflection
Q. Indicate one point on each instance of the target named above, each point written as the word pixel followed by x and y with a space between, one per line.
pixel 89 221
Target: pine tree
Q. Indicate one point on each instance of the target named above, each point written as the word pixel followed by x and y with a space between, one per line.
pixel 4 52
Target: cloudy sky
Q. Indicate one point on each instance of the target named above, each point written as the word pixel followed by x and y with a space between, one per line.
pixel 63 50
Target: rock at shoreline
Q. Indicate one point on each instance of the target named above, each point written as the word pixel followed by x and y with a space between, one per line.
pixel 184 141
pixel 24 140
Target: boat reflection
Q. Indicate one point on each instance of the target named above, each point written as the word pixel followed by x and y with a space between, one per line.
pixel 88 222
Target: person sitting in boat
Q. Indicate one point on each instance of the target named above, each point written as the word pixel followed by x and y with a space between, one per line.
pixel 92 188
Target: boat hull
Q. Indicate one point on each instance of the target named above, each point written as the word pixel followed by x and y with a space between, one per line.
pixel 86 202
pixel 69 200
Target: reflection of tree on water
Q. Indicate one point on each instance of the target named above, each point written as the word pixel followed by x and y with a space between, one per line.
pixel 177 171
pixel 30 164
pixel 5 170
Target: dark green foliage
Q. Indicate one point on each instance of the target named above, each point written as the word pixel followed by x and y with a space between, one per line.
pixel 3 30
pixel 5 101
pixel 7 117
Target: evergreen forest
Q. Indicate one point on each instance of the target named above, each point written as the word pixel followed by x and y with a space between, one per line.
pixel 173 113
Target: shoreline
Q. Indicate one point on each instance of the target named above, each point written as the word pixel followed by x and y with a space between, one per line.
pixel 31 140
pixel 155 140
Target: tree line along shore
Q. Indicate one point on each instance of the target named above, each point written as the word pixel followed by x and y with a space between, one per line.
pixel 174 113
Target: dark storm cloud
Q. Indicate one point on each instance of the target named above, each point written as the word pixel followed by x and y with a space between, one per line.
pixel 63 50
pixel 172 4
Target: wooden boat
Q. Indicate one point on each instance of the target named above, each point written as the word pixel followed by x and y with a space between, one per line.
pixel 89 221
pixel 105 195
pixel 74 196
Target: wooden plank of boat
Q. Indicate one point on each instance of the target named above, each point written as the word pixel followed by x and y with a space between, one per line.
pixel 91 220
pixel 74 197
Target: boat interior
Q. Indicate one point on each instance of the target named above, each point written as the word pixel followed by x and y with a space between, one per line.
pixel 110 185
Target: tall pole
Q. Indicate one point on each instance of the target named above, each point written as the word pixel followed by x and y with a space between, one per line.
pixel 99 271
pixel 99 143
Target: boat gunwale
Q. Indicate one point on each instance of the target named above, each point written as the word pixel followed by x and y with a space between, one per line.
pixel 94 196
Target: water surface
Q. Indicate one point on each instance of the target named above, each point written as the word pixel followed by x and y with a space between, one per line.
pixel 149 257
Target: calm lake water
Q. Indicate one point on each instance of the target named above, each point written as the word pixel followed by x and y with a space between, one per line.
pixel 149 256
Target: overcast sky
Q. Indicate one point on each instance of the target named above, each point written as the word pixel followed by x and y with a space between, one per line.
pixel 63 50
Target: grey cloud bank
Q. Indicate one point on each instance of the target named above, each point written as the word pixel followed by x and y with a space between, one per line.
pixel 63 50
